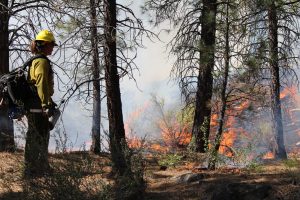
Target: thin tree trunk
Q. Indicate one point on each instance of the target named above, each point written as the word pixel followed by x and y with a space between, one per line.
pixel 280 151
pixel 6 124
pixel 114 104
pixel 96 141
pixel 201 126
pixel 212 160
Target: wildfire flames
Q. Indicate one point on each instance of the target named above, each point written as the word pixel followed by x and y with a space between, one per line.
pixel 231 127
pixel 290 96
pixel 232 130
pixel 290 92
pixel 178 135
pixel 132 140
pixel 175 135
pixel 269 155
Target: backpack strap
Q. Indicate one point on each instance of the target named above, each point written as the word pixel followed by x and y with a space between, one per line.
pixel 29 61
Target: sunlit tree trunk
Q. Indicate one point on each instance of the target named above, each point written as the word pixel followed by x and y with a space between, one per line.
pixel 96 141
pixel 114 104
pixel 201 126
pixel 6 124
pixel 280 151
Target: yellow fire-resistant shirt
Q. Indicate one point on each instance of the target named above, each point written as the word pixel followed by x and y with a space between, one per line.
pixel 41 74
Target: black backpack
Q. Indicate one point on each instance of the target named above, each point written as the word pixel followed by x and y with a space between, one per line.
pixel 16 91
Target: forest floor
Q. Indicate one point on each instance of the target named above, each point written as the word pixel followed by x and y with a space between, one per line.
pixel 86 176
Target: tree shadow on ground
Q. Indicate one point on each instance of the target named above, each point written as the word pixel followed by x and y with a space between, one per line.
pixel 218 186
pixel 12 196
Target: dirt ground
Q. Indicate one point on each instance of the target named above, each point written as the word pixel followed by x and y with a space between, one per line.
pixel 185 180
pixel 272 181
pixel 269 180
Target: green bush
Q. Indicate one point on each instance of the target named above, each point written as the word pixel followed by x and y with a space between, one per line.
pixel 254 167
pixel 170 160
pixel 291 163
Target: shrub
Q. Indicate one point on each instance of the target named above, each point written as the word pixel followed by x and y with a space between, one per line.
pixel 170 160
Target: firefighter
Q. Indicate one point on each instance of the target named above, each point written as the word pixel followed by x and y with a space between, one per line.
pixel 41 105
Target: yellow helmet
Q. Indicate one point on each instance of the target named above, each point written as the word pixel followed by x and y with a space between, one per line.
pixel 45 35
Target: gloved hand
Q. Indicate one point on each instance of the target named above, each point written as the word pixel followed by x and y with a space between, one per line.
pixel 48 111
pixel 53 104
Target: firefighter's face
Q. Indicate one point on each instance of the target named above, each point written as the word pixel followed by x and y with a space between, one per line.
pixel 48 48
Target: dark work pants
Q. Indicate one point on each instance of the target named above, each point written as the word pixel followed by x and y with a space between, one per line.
pixel 37 141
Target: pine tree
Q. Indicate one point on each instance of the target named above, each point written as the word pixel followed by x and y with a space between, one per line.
pixel 194 48
pixel 6 124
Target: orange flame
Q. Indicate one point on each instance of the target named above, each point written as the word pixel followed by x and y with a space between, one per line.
pixel 179 135
pixel 227 141
pixel 159 148
pixel 174 135
pixel 269 155
pixel 231 127
pixel 291 97
pixel 132 140
pixel 288 91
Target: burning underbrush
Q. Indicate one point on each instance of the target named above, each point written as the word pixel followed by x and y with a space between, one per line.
pixel 247 133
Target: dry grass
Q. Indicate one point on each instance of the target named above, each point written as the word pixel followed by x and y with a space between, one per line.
pixel 86 176
pixel 75 176
pixel 283 180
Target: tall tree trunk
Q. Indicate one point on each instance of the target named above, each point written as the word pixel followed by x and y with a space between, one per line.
pixel 201 126
pixel 280 151
pixel 213 159
pixel 6 124
pixel 114 104
pixel 96 141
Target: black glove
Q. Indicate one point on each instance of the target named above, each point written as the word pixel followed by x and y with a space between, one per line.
pixel 49 111
pixel 53 104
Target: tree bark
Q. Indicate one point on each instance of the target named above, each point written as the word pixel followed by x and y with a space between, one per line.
pixel 114 104
pixel 6 124
pixel 96 141
pixel 279 150
pixel 201 126
pixel 218 138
